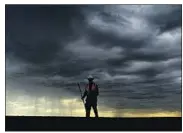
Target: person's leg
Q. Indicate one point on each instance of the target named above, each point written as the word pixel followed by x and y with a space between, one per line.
pixel 95 110
pixel 88 108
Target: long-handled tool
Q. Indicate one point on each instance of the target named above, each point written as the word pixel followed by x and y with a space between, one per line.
pixel 81 93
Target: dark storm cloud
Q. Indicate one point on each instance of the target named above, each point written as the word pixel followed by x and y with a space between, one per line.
pixel 149 42
pixel 127 44
pixel 37 33
pixel 168 23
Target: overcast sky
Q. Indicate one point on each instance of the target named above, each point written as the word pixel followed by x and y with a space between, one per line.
pixel 133 51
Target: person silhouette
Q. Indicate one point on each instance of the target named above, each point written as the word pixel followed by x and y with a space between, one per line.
pixel 91 92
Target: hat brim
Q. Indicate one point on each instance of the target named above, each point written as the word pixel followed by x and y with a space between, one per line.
pixel 90 78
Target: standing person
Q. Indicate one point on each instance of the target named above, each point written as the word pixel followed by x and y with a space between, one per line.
pixel 91 93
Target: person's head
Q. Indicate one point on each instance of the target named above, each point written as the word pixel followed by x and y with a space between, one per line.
pixel 90 78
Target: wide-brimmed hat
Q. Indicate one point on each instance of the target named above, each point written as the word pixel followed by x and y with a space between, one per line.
pixel 90 77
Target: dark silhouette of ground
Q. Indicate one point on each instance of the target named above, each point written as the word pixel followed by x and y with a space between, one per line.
pixel 35 123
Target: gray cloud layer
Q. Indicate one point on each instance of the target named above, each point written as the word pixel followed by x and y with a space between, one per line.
pixel 134 45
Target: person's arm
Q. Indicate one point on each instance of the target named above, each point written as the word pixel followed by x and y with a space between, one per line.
pixel 84 95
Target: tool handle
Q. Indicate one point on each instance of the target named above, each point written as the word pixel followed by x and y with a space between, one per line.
pixel 80 91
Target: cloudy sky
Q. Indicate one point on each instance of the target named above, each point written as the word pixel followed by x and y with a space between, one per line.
pixel 133 51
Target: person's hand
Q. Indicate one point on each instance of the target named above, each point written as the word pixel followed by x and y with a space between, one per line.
pixel 82 98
